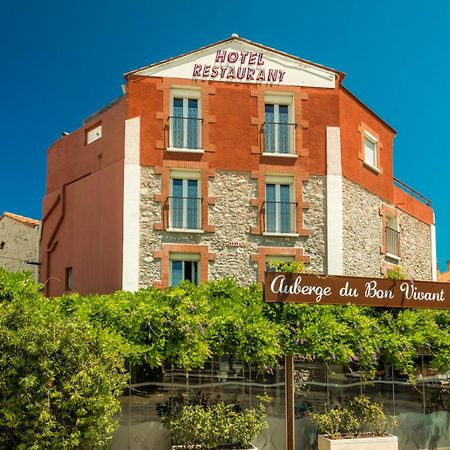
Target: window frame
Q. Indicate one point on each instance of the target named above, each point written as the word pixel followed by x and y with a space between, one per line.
pixel 184 258
pixel 97 126
pixel 186 94
pixel 390 213
pixel 279 181
pixel 277 100
pixel 393 219
pixel 68 278
pixel 185 176
pixel 368 137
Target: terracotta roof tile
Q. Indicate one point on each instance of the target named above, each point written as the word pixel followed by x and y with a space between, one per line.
pixel 22 219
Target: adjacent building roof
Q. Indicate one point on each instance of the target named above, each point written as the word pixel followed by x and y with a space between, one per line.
pixel 445 276
pixel 22 219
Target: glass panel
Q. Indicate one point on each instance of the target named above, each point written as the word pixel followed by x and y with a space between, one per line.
pixel 176 206
pixel 370 152
pixel 285 208
pixel 421 408
pixel 283 129
pixel 177 123
pixel 154 390
pixel 151 390
pixel 176 272
pixel 269 128
pixel 270 208
pixel 192 124
pixel 192 205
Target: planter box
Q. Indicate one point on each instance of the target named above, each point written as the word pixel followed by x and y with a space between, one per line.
pixel 366 443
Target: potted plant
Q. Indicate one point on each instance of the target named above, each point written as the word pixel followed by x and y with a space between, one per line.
pixel 360 424
pixel 203 423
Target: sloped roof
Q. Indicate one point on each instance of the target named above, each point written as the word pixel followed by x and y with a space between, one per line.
pixel 22 219
pixel 235 38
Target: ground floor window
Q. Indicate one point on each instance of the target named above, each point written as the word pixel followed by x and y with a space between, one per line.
pixel 184 267
pixel 68 279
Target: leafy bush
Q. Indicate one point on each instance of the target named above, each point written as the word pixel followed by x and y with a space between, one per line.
pixel 353 419
pixel 396 274
pixel 184 326
pixel 59 377
pixel 287 266
pixel 61 360
pixel 212 424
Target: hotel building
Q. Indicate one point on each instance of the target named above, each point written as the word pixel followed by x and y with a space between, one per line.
pixel 209 165
pixel 214 162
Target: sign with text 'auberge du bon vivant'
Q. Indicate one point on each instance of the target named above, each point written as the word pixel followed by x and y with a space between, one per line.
pixel 340 290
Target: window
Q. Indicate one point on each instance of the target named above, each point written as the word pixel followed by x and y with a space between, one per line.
pixel 68 279
pixel 370 150
pixel 392 236
pixel 184 201
pixel 279 207
pixel 184 266
pixel 93 133
pixel 185 121
pixel 278 129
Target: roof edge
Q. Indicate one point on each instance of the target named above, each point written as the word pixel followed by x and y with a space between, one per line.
pixel 21 219
pixel 353 96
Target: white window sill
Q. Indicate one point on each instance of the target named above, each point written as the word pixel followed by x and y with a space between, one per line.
pixel 185 230
pixel 373 168
pixel 392 256
pixel 185 150
pixel 280 155
pixel 270 233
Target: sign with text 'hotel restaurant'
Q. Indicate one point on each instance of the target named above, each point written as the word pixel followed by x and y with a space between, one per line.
pixel 240 62
pixel 340 290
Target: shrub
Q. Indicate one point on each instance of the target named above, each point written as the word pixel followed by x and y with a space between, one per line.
pixel 353 419
pixel 211 423
pixel 59 377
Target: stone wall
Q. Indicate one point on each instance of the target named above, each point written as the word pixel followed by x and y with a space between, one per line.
pixel 18 243
pixel 363 237
pixel 415 247
pixel 150 240
pixel 314 219
pixel 233 244
pixel 233 217
pixel 362 231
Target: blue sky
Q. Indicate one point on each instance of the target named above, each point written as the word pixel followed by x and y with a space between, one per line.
pixel 61 61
